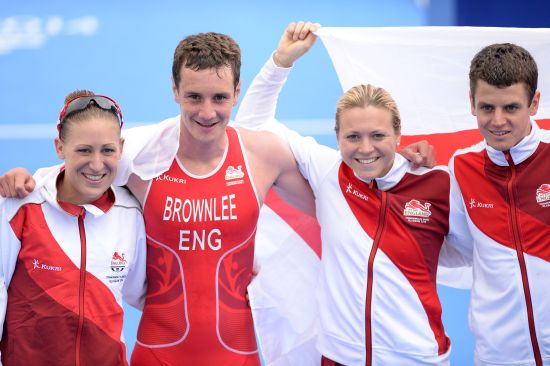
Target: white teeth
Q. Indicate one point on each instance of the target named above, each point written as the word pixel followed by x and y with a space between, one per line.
pixel 93 177
pixel 367 161
pixel 499 133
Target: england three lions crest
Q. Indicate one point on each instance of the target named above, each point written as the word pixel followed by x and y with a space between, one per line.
pixel 415 211
pixel 234 175
pixel 118 262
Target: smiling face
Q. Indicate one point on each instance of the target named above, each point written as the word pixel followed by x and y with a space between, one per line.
pixel 91 150
pixel 206 99
pixel 503 113
pixel 367 140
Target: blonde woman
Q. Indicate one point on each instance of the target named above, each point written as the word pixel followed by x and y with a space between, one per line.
pixel 382 227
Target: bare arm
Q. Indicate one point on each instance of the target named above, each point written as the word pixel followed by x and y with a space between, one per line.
pixel 293 188
pixel 273 165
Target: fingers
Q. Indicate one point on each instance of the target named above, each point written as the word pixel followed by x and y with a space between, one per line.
pixel 295 42
pixel 289 31
pixel 24 186
pixel 8 185
pixel 420 154
pixel 424 155
pixel 4 187
pixel 30 185
pixel 427 154
pixel 298 31
pixel 16 183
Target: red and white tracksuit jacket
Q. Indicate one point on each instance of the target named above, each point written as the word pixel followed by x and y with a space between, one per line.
pixel 377 295
pixel 64 272
pixel 503 200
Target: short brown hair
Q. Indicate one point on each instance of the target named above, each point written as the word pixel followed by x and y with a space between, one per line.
pixel 363 96
pixel 206 51
pixel 504 64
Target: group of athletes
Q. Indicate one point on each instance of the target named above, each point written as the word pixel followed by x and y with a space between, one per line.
pixel 178 241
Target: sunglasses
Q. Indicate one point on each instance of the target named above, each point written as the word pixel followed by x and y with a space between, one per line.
pixel 81 103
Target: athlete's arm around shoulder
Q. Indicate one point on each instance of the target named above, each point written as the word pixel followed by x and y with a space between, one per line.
pixel 18 182
pixel 272 164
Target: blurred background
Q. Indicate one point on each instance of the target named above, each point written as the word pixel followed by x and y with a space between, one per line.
pixel 124 49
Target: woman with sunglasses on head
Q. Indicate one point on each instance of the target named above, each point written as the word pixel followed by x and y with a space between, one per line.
pixel 383 224
pixel 73 249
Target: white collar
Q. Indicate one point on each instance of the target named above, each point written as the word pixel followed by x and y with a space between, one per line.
pixel 394 176
pixel 520 152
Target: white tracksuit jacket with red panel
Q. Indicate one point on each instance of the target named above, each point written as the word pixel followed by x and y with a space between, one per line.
pixel 64 271
pixel 377 295
pixel 503 200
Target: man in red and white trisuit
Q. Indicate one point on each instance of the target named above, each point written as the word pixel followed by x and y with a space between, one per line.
pixel 201 203
pixel 501 197
pixel 200 254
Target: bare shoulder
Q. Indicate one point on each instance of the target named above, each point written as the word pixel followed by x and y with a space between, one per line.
pixel 265 145
pixel 269 158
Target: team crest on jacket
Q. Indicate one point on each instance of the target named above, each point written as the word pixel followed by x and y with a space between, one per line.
pixel 417 212
pixel 118 262
pixel 234 175
pixel 543 195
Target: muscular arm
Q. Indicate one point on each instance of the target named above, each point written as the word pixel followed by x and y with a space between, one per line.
pixel 292 186
pixel 272 164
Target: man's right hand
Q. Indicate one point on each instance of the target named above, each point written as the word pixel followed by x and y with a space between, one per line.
pixel 297 39
pixel 16 183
